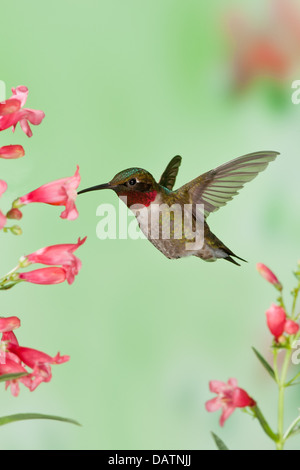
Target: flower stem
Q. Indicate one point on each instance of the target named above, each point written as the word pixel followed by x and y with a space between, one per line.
pixel 282 385
pixel 7 281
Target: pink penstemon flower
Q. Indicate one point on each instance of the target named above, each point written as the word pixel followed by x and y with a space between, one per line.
pixel 278 323
pixel 268 275
pixel 9 323
pixel 38 361
pixel 10 152
pixel 60 192
pixel 18 359
pixel 12 112
pixel 229 397
pixel 62 254
pixel 11 366
pixel 44 276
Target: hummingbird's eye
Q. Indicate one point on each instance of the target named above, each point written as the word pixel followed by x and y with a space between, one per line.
pixel 132 182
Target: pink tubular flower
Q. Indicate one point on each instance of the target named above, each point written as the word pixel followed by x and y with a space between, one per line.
pixel 61 192
pixel 52 275
pixel 9 106
pixel 268 275
pixel 230 397
pixel 15 359
pixel 38 361
pixel 9 324
pixel 278 323
pixel 12 367
pixel 12 151
pixel 12 112
pixel 59 254
pixel 3 188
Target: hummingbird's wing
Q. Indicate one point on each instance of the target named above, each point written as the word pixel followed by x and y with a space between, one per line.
pixel 169 175
pixel 216 187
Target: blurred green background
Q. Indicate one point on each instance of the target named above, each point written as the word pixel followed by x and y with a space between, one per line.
pixel 133 84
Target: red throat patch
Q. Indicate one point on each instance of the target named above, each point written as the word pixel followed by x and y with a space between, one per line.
pixel 138 197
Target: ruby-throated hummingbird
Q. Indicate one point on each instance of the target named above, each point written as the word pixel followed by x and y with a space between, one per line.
pixel 210 191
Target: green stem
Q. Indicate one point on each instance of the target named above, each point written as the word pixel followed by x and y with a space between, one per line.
pixel 280 442
pixel 292 380
pixel 295 294
pixel 275 367
pixel 6 280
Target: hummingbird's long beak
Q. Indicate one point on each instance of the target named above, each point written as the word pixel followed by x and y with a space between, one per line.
pixel 95 188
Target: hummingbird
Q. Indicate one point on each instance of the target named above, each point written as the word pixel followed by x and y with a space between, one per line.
pixel 209 191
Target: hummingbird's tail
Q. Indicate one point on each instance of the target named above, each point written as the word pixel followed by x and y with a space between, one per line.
pixel 229 258
pixel 222 251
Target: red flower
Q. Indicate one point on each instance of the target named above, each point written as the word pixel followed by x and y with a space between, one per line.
pixel 52 275
pixel 9 106
pixel 11 112
pixel 14 359
pixel 10 366
pixel 60 192
pixel 38 361
pixel 230 397
pixel 291 327
pixel 268 275
pixel 12 151
pixel 278 323
pixel 59 254
pixel 9 324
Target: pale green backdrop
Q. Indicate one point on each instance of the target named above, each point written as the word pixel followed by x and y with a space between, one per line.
pixel 133 83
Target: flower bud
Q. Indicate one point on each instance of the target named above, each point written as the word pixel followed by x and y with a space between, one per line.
pixel 268 275
pixel 282 340
pixel 14 213
pixel 16 230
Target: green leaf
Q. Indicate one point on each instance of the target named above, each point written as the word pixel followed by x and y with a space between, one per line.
pixel 219 443
pixel 263 422
pixel 24 416
pixel 4 378
pixel 265 364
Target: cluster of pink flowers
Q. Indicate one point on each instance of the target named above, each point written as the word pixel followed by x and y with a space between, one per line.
pixel 12 112
pixel 270 51
pixel 16 359
pixel 229 395
pixel 52 255
pixel 277 319
pixel 61 192
pixel 31 366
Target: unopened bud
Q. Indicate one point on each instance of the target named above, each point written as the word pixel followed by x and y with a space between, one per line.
pixel 14 213
pixel 282 340
pixel 16 230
